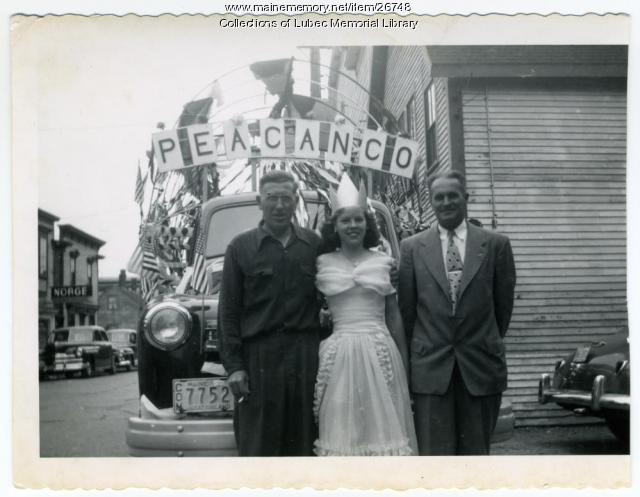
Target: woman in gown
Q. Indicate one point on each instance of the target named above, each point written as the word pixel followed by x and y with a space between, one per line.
pixel 361 398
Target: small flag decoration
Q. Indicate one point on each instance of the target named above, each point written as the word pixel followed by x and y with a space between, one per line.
pixel 275 74
pixel 149 275
pixel 199 278
pixel 135 261
pixel 216 94
pixel 140 188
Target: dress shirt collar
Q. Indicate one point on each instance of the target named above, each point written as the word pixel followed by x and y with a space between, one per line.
pixel 460 231
pixel 296 231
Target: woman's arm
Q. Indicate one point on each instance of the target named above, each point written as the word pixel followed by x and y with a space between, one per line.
pixel 394 323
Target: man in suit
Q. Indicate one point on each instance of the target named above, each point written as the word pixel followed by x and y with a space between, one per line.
pixel 456 286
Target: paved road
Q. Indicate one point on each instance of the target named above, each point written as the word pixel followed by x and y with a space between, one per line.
pixel 567 440
pixel 86 417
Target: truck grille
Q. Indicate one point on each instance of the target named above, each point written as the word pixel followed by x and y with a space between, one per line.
pixel 211 341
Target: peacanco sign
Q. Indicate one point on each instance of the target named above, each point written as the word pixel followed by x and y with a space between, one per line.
pixel 201 144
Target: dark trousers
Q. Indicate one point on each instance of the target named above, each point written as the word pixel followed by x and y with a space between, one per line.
pixel 456 423
pixel 276 419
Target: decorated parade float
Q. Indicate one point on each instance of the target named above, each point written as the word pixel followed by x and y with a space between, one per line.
pixel 271 114
pixel 199 191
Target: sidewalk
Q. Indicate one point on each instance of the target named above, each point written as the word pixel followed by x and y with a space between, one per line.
pixel 565 440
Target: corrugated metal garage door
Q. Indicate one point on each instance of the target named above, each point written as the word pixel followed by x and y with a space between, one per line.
pixel 559 166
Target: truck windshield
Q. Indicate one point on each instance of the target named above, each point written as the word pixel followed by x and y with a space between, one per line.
pixel 227 223
pixel 234 219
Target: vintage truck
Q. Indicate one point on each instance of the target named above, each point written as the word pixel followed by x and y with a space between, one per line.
pixel 185 406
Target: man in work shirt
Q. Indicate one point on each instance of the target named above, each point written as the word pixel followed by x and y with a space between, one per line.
pixel 269 326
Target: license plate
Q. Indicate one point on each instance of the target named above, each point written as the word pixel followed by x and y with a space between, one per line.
pixel 581 353
pixel 201 395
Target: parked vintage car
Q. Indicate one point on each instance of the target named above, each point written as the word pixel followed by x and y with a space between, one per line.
pixel 594 380
pixel 42 365
pixel 74 349
pixel 185 404
pixel 125 342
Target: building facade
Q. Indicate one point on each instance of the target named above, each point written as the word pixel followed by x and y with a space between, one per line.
pixel 67 275
pixel 75 290
pixel 540 133
pixel 46 308
pixel 120 302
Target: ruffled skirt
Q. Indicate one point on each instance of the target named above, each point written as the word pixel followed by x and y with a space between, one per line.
pixel 361 398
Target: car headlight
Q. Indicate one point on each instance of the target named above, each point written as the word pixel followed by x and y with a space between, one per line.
pixel 167 325
pixel 79 352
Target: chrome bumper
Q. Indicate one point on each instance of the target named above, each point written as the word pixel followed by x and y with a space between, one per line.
pixel 159 432
pixel 596 400
pixel 62 366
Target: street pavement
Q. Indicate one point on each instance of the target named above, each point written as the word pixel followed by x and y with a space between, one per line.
pixel 561 440
pixel 87 417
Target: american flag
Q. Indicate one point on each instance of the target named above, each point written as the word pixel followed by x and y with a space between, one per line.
pixel 140 187
pixel 199 277
pixel 149 276
pixel 135 261
pixel 148 288
pixel 300 215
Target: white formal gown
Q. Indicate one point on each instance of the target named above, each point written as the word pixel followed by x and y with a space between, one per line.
pixel 361 397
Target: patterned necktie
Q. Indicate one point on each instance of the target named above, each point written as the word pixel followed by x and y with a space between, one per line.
pixel 454 270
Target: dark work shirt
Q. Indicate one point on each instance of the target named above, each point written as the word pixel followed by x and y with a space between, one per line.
pixel 267 287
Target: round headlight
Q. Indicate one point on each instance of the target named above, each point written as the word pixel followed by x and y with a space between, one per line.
pixel 167 325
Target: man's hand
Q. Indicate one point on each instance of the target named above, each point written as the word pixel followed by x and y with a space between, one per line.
pixel 238 382
pixel 325 318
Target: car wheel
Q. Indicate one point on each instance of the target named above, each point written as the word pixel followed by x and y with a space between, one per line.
pixel 112 369
pixel 69 374
pixel 88 371
pixel 619 426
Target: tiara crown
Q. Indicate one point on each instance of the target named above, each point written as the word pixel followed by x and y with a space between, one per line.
pixel 348 195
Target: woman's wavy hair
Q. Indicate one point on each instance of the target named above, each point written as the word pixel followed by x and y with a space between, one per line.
pixel 331 239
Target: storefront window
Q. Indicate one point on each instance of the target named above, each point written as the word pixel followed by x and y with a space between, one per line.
pixel 90 274
pixel 430 126
pixel 43 255
pixel 411 118
pixel 402 122
pixel 73 270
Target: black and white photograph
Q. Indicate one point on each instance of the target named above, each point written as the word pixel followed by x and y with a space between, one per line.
pixel 377 237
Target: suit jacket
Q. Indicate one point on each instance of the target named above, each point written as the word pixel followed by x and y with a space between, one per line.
pixel 473 337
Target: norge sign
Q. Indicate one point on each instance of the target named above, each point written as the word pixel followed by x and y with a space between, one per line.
pixel 201 144
pixel 63 292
